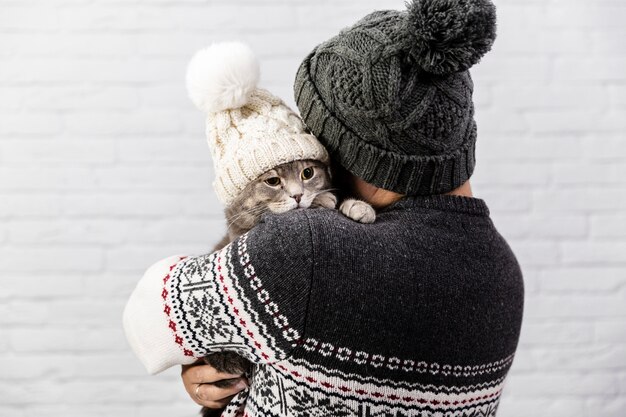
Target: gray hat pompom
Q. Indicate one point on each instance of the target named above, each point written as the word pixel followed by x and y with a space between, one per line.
pixel 450 36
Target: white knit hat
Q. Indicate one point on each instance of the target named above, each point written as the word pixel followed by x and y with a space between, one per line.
pixel 249 130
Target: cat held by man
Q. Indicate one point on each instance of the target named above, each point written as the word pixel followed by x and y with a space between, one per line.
pixel 265 159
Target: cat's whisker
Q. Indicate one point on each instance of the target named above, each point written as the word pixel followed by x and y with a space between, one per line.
pixel 315 194
pixel 254 211
pixel 251 212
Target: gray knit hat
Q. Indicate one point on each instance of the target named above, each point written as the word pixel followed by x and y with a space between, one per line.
pixel 391 96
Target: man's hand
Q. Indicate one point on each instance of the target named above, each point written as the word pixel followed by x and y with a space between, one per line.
pixel 199 382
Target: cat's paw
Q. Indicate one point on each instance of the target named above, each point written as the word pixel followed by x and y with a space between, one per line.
pixel 325 199
pixel 358 210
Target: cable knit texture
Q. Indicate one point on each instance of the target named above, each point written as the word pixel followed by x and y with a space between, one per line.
pixel 247 141
pixel 336 323
pixel 391 96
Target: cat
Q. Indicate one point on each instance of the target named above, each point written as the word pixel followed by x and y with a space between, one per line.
pixel 294 185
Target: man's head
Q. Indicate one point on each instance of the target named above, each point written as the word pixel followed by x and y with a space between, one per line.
pixel 391 97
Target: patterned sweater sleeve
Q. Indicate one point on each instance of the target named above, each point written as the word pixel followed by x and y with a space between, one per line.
pixel 250 298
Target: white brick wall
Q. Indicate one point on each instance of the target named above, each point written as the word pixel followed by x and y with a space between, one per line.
pixel 104 169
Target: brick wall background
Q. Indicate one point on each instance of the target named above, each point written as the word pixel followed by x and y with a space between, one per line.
pixel 104 169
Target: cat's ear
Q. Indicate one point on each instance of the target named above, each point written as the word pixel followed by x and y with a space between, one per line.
pixel 222 76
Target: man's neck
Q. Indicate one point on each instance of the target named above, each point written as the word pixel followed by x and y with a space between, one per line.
pixel 464 190
pixel 380 198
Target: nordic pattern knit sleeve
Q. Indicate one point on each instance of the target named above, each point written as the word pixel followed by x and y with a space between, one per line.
pixel 249 298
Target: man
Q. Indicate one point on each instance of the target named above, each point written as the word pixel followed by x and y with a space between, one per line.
pixel 416 314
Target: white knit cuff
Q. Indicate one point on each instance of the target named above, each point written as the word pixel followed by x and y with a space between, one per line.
pixel 146 324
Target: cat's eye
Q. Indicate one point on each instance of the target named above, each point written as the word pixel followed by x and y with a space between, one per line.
pixel 307 173
pixel 272 181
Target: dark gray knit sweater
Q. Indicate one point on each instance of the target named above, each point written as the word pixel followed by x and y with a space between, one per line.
pixel 418 314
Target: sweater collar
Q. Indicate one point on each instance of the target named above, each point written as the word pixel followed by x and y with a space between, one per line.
pixel 469 205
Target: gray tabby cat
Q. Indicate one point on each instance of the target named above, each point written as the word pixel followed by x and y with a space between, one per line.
pixel 294 185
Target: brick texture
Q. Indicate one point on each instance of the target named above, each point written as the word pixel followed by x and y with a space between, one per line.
pixel 104 169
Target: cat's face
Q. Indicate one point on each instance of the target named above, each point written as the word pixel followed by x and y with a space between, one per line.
pixel 285 187
pixel 292 185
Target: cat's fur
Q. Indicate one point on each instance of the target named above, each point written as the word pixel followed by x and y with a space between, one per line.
pixel 294 191
pixel 259 198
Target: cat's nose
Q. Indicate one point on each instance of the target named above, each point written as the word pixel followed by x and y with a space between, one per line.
pixel 297 197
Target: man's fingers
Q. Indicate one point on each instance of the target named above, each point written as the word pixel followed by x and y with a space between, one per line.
pixel 203 374
pixel 215 393
pixel 212 396
pixel 210 388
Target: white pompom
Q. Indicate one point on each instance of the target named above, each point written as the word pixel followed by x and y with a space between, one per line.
pixel 222 76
